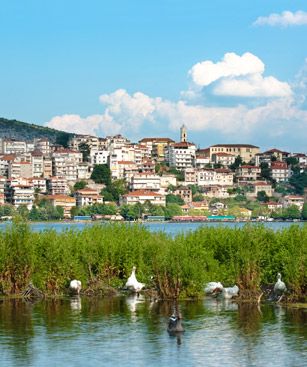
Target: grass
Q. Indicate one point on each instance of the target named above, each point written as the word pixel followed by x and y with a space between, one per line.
pixel 178 267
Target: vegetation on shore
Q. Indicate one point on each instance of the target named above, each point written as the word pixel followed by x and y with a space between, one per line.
pixel 176 267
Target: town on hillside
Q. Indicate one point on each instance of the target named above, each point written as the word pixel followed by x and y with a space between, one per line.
pixel 155 178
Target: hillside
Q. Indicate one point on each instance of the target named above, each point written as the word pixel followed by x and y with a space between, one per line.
pixel 14 129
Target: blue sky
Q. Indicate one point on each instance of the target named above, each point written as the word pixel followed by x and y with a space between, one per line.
pixel 232 71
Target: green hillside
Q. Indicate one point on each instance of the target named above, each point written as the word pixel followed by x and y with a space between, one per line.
pixel 14 129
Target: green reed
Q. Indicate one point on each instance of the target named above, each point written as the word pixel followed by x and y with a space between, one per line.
pixel 179 266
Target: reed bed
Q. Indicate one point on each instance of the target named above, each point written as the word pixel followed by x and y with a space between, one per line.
pixel 176 267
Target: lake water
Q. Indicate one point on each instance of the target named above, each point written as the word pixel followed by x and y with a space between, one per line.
pixel 129 331
pixel 168 227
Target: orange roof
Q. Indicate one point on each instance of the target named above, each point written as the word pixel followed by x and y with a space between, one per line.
pixel 142 193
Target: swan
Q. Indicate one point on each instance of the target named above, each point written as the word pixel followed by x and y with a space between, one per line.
pixel 230 292
pixel 213 287
pixel 133 284
pixel 279 287
pixel 174 323
pixel 75 286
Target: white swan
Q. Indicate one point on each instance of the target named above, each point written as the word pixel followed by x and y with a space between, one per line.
pixel 133 284
pixel 213 287
pixel 230 292
pixel 75 286
pixel 279 287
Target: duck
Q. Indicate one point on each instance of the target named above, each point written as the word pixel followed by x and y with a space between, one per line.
pixel 279 288
pixel 230 292
pixel 174 323
pixel 75 286
pixel 133 284
pixel 213 287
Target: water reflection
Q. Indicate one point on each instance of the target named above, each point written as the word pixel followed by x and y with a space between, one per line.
pixel 113 330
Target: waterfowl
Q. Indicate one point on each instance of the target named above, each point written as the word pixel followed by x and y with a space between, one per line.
pixel 279 288
pixel 75 286
pixel 230 292
pixel 174 323
pixel 133 284
pixel 213 287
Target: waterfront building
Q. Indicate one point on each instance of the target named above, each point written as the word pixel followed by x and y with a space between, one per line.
pixel 87 196
pixel 142 196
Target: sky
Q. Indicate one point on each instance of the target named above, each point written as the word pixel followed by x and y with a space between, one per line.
pixel 232 71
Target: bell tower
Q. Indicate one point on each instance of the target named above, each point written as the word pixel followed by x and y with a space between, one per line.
pixel 183 134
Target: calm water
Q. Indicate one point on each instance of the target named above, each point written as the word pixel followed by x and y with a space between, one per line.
pixel 171 228
pixel 129 331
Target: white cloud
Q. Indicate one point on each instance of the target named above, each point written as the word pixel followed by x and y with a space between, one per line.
pixel 285 19
pixel 239 76
pixel 138 114
pixel 206 72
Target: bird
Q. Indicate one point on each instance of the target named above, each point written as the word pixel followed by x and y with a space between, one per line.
pixel 133 284
pixel 213 287
pixel 230 292
pixel 174 323
pixel 279 288
pixel 75 286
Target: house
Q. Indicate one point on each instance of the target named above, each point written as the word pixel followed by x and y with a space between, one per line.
pixel 262 186
pixel 248 173
pixel 145 181
pixel 217 191
pixel 64 201
pixel 273 206
pixel 87 196
pixel 290 200
pixel 246 151
pixel 181 155
pixel 142 196
pixel 280 171
pixel 20 194
pixel 185 193
pixel 225 159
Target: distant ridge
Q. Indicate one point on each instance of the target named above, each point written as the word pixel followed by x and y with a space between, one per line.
pixel 13 129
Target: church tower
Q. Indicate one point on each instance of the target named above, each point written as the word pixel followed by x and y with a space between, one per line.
pixel 183 134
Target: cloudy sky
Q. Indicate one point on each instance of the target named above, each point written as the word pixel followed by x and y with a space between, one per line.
pixel 231 71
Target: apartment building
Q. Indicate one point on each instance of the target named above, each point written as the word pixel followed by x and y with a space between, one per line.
pixel 64 201
pixel 262 186
pixel 145 181
pixel 246 151
pixel 185 193
pixel 37 163
pixel 19 194
pixel 157 146
pixel 222 158
pixel 247 173
pixel 11 146
pixel 57 186
pixel 280 171
pixel 65 162
pixel 43 146
pixel 99 156
pixel 181 155
pixel 19 169
pixel 87 196
pixel 2 189
pixel 142 196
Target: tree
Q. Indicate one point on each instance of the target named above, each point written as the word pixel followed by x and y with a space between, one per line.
pixel 174 199
pixel 85 150
pixel 293 212
pixel 299 182
pixel 265 171
pixel 117 188
pixel 262 196
pixel 304 211
pixel 80 185
pixel 198 197
pixel 171 210
pixel 237 163
pixel 23 211
pixel 101 174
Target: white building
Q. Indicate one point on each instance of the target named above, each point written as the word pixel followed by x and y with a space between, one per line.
pixel 87 196
pixel 144 181
pixel 181 155
pixel 141 196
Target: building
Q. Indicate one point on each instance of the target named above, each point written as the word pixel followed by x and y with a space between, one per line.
pixel 57 186
pixel 181 155
pixel 290 200
pixel 19 194
pixel 247 173
pixel 11 146
pixel 225 159
pixel 185 193
pixel 280 171
pixel 43 146
pixel 99 157
pixel 142 196
pixel 37 163
pixel 157 146
pixel 262 186
pixel 145 181
pixel 2 189
pixel 87 196
pixel 63 201
pixel 246 151
pixel 183 134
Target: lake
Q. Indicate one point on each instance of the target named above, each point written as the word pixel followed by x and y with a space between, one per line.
pixel 129 331
pixel 168 227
